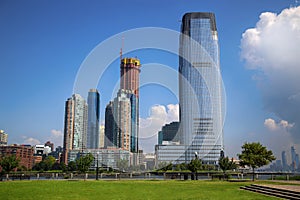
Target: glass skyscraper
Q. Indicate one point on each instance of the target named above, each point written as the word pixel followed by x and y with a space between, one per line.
pixel 200 88
pixel 75 127
pixel 93 119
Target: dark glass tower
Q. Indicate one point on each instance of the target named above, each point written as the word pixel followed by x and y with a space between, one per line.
pixel 109 126
pixel 93 133
pixel 200 88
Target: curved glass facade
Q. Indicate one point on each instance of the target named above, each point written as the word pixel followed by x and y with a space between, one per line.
pixel 200 88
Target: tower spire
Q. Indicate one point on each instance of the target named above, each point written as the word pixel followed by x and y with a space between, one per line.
pixel 121 50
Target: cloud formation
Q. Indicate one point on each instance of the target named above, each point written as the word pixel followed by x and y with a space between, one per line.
pixel 56 136
pixel 31 141
pixel 149 127
pixel 273 126
pixel 272 49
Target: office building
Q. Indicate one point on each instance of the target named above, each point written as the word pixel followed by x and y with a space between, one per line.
pixel 75 127
pixel 106 157
pixel 109 125
pixel 101 136
pixel 200 88
pixel 293 157
pixel 169 132
pixel 284 161
pixel 3 138
pixel 129 84
pixel 122 115
pixel 93 119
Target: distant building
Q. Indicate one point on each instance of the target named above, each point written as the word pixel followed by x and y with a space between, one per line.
pixel 3 138
pixel 93 119
pixel 169 132
pixel 50 144
pixel 106 157
pixel 41 150
pixel 284 161
pixel 109 125
pixel 122 115
pixel 101 136
pixel 129 84
pixel 22 152
pixel 293 157
pixel 75 128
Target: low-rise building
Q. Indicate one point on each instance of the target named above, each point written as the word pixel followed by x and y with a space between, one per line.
pixel 22 152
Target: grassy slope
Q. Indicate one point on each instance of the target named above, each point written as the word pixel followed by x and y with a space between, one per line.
pixel 124 190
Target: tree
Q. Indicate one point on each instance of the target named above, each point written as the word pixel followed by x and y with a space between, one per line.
pixel 226 164
pixel 8 163
pixel 84 162
pixel 255 155
pixel 72 166
pixel 49 162
pixel 195 165
pixel 122 164
pixel 164 166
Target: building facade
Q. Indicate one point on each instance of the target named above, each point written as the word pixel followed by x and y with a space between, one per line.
pixel 169 132
pixel 75 127
pixel 106 157
pixel 109 125
pixel 93 119
pixel 3 138
pixel 22 152
pixel 130 82
pixel 200 88
pixel 122 115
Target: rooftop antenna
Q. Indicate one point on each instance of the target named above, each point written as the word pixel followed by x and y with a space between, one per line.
pixel 121 50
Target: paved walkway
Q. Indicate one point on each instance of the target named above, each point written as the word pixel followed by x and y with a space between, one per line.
pixel 295 188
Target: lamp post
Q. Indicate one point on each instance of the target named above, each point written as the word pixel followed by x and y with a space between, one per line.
pixel 97 169
pixel 196 158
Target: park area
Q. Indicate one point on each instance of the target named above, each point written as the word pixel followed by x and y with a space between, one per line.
pixel 126 189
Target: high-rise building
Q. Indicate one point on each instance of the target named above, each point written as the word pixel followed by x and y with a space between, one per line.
pixel 284 161
pixel 93 119
pixel 101 136
pixel 130 75
pixel 169 132
pixel 130 80
pixel 200 88
pixel 122 115
pixel 75 128
pixel 293 156
pixel 109 125
pixel 3 138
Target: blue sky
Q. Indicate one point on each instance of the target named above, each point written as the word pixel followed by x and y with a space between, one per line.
pixel 43 44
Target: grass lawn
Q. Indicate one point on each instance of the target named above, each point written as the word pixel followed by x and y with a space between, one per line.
pixel 124 189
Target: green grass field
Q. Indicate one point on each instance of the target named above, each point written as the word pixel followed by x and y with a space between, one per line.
pixel 125 190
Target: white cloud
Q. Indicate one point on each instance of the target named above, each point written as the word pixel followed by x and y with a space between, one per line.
pixel 31 141
pixel 283 125
pixel 271 124
pixel 149 127
pixel 272 49
pixel 56 137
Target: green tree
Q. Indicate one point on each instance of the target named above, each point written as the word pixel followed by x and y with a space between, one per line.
pixel 84 162
pixel 226 164
pixel 122 164
pixel 8 163
pixel 49 162
pixel 72 166
pixel 195 165
pixel 164 166
pixel 255 155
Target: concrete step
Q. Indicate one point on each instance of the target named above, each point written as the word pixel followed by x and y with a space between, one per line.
pixel 277 192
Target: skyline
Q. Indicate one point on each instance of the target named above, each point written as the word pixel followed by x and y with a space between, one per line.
pixel 49 56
